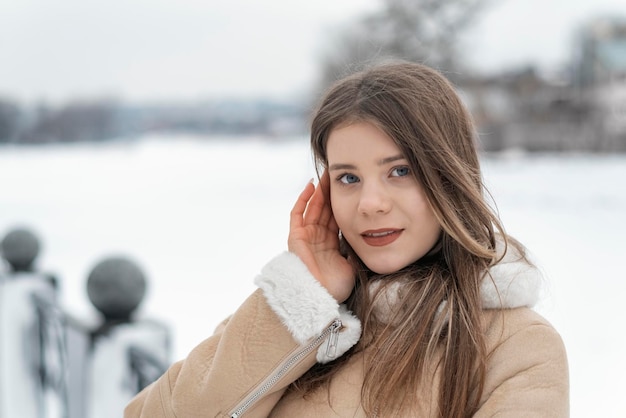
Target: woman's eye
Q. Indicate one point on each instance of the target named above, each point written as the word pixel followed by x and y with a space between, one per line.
pixel 348 179
pixel 400 171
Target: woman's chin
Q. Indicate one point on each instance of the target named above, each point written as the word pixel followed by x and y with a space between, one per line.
pixel 385 267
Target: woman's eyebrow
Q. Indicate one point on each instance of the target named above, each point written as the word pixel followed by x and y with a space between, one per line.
pixel 391 159
pixel 334 167
pixel 382 161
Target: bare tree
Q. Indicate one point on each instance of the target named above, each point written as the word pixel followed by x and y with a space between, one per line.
pixel 10 115
pixel 424 31
pixel 77 121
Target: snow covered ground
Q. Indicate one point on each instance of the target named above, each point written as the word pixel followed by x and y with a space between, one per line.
pixel 202 217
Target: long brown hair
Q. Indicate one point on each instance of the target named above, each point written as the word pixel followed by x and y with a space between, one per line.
pixel 436 322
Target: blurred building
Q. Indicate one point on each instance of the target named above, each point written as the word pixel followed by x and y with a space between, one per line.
pixel 583 108
pixel 599 79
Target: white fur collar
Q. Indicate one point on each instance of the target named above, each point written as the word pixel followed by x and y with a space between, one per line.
pixel 511 283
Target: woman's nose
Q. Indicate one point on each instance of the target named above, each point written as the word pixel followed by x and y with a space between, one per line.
pixel 374 199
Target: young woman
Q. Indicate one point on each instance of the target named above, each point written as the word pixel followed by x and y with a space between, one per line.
pixel 400 295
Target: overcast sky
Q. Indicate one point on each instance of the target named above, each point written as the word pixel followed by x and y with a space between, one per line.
pixel 55 50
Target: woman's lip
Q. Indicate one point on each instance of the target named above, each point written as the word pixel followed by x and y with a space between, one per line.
pixel 380 237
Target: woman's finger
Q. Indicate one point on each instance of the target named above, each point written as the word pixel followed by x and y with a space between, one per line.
pixel 314 208
pixel 297 212
pixel 332 224
pixel 326 215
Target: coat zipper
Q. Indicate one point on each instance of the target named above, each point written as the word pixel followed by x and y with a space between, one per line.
pixel 332 331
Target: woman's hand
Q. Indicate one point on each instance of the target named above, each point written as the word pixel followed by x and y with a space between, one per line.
pixel 314 238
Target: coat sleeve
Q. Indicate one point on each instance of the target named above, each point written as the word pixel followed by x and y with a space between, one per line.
pixel 527 372
pixel 278 321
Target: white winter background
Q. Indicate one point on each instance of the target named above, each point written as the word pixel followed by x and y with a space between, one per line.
pixel 201 217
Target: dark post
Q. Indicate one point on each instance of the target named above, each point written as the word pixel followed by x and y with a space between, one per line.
pixel 32 345
pixel 127 353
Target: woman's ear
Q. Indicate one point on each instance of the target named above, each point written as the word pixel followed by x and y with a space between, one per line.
pixel 344 248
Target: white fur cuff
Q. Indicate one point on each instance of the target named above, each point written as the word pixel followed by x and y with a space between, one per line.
pixel 348 336
pixel 304 306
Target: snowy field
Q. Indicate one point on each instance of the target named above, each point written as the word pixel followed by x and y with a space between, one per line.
pixel 202 217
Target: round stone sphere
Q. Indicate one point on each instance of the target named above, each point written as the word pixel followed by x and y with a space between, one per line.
pixel 116 286
pixel 20 248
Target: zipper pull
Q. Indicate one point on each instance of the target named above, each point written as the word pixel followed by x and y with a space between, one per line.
pixel 333 339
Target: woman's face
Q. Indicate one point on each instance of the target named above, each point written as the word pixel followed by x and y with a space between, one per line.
pixel 380 208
